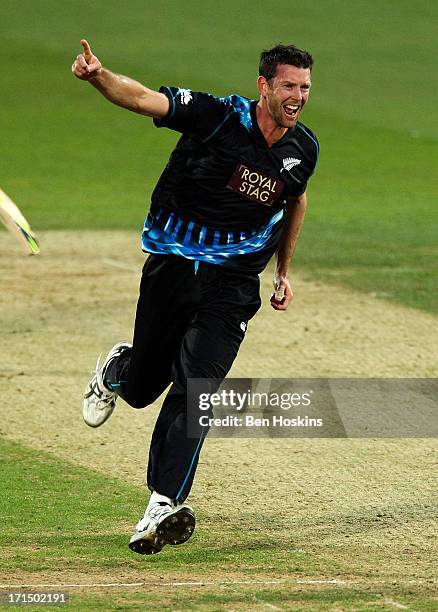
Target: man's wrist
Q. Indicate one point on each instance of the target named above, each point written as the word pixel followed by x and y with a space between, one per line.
pixel 97 74
pixel 281 273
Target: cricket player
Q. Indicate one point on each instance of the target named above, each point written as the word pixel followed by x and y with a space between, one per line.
pixel 232 194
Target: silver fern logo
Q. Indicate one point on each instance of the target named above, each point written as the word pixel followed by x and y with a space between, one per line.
pixel 185 95
pixel 289 163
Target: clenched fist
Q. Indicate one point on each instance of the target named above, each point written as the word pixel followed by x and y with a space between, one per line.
pixel 86 65
pixel 283 294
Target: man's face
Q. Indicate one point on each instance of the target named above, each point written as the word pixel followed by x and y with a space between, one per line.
pixel 286 94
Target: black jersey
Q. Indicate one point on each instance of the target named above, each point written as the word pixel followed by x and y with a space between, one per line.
pixel 222 195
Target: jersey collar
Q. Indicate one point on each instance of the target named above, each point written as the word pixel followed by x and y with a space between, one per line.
pixel 286 136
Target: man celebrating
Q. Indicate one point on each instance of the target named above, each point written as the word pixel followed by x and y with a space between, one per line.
pixel 232 194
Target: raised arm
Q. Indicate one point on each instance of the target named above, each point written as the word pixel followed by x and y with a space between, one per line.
pixel 119 89
pixel 295 212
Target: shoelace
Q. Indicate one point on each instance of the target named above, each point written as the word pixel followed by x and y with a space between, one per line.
pixel 97 367
pixel 157 510
pixel 103 392
pixel 152 515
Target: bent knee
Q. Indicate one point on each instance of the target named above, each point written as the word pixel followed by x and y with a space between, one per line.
pixel 142 401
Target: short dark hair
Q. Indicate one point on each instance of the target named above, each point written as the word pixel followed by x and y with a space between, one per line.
pixel 283 54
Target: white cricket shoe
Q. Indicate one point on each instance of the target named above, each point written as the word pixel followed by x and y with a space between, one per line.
pixel 162 524
pixel 99 402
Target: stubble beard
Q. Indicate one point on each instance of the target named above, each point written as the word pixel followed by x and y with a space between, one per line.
pixel 277 114
pixel 281 121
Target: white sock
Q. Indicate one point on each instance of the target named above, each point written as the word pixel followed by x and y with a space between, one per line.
pixel 156 497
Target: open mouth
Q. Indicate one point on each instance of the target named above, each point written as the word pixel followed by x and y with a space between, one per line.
pixel 291 110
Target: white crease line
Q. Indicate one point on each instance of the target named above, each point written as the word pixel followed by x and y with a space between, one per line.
pixel 160 584
pixel 58 586
pixel 136 584
pixel 334 581
pixel 119 264
pixel 198 583
pixel 280 581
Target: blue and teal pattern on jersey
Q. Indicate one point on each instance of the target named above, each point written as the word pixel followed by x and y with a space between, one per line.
pixel 239 105
pixel 166 233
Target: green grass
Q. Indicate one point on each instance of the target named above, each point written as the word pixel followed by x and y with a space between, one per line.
pixel 59 520
pixel 71 160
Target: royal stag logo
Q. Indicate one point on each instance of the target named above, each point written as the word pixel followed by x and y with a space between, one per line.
pixel 255 185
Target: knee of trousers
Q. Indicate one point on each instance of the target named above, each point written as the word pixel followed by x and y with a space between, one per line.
pixel 141 401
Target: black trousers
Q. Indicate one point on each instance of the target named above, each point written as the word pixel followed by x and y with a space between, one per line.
pixel 188 325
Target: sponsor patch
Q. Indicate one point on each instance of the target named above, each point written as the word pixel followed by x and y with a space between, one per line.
pixel 255 185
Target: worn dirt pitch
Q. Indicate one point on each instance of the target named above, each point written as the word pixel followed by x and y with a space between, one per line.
pixel 60 309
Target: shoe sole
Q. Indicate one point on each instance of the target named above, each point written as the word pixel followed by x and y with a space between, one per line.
pixel 177 528
pixel 174 530
pixel 144 546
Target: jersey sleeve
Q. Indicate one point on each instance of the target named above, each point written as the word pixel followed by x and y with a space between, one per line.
pixel 195 114
pixel 311 164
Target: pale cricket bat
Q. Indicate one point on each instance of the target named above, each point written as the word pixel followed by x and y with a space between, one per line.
pixel 17 224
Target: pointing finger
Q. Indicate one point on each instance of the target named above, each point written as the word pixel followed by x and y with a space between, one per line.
pixel 87 50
